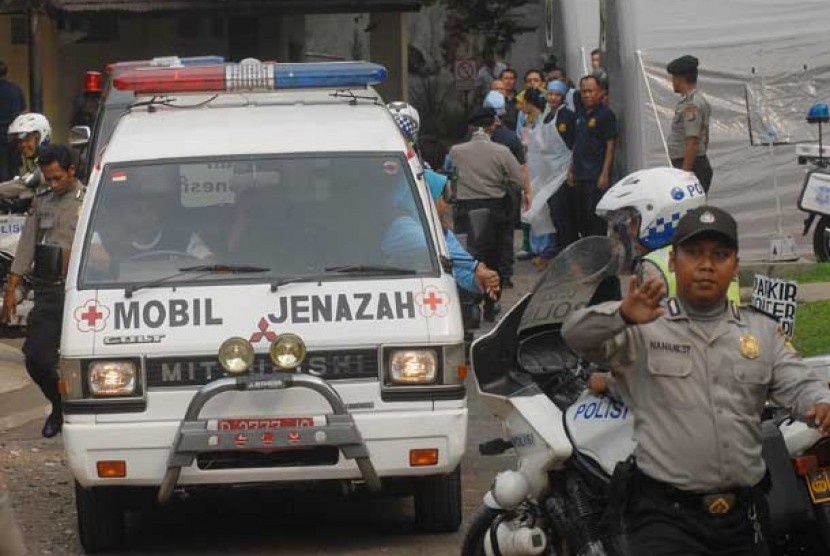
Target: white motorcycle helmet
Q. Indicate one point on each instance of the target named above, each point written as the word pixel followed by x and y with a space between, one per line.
pixel 28 123
pixel 659 196
pixel 407 118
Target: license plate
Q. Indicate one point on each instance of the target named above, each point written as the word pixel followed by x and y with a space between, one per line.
pixel 265 423
pixel 819 485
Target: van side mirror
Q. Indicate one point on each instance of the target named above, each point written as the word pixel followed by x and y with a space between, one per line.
pixel 48 265
pixel 79 135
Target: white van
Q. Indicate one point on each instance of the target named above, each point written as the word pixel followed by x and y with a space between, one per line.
pixel 259 292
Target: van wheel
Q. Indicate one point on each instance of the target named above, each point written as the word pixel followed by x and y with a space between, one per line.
pixel 821 239
pixel 100 518
pixel 438 503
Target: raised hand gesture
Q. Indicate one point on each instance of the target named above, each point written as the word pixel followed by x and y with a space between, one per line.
pixel 641 303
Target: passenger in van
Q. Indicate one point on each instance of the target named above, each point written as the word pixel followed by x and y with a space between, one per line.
pixel 149 233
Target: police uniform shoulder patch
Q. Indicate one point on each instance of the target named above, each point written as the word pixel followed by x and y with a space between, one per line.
pixel 563 127
pixel 673 306
pixel 691 113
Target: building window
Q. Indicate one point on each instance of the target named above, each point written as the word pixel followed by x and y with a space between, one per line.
pixel 19 30
pixel 189 27
pixel 95 27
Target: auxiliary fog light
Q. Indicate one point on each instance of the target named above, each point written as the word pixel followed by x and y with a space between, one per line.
pixel 236 355
pixel 288 352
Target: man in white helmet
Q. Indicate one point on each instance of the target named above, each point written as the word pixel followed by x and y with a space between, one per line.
pixel 659 197
pixel 29 131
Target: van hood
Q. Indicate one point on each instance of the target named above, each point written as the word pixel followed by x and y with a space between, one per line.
pixel 197 319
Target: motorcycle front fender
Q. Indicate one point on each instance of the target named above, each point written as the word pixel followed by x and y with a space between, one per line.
pixel 808 222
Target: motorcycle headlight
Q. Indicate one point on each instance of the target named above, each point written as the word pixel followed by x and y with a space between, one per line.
pixel 288 351
pixel 236 355
pixel 413 366
pixel 112 378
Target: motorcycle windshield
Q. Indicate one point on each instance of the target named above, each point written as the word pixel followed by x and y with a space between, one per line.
pixel 525 346
pixel 573 280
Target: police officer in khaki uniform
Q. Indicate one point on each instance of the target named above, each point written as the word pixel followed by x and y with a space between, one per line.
pixel 52 222
pixel 697 371
pixel 689 138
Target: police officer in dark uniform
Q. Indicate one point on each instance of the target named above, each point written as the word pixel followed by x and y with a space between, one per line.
pixel 689 137
pixel 697 371
pixel 52 223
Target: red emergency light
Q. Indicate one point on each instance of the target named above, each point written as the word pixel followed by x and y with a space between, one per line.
pixel 93 82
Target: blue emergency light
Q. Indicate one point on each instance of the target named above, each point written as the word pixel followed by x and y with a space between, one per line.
pixel 818 113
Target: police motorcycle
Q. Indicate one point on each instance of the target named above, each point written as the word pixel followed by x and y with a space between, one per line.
pixel 567 440
pixel 815 193
pixel 12 217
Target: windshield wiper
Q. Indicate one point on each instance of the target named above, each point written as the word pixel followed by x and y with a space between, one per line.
pixel 229 268
pixel 203 269
pixel 370 269
pixel 344 269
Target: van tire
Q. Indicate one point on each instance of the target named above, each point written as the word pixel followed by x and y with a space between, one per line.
pixel 438 503
pixel 101 515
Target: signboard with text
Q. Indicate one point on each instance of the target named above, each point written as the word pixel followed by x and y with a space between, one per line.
pixel 776 298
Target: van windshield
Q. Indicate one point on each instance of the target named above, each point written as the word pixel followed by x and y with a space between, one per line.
pixel 283 218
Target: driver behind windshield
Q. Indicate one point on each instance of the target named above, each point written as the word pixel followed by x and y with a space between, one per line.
pixel 148 229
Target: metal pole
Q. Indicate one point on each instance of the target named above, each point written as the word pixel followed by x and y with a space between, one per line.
pixel 35 56
pixel 653 104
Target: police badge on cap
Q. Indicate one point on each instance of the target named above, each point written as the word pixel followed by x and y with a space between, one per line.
pixel 707 220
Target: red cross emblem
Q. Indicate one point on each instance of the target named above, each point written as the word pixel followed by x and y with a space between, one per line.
pixel 433 302
pixel 91 316
pixel 263 332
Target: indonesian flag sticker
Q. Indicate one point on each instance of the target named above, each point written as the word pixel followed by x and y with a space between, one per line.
pixel 119 176
pixel 390 167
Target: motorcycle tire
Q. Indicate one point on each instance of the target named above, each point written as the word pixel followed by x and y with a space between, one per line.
pixel 821 239
pixel 473 544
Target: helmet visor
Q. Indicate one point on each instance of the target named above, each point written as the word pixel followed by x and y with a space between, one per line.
pixel 624 228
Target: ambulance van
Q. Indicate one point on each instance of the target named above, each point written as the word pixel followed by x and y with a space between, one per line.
pixel 259 293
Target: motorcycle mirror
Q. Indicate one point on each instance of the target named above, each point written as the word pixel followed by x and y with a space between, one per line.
pixel 79 135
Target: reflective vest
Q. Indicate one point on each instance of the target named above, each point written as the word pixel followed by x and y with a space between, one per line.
pixel 660 259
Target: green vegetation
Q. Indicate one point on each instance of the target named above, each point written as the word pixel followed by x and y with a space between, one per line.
pixel 812 324
pixel 818 273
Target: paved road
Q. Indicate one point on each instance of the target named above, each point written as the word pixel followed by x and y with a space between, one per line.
pixel 265 523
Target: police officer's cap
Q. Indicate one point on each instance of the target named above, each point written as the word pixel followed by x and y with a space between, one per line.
pixel 482 117
pixel 683 65
pixel 708 220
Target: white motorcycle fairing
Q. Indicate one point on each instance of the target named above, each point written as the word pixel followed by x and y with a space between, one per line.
pixel 601 429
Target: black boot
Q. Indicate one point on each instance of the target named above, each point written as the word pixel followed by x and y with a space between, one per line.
pixel 54 423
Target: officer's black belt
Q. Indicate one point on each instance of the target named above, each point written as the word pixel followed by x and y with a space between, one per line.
pixel 713 503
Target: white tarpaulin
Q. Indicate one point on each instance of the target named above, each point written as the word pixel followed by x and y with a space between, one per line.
pixel 763 63
pixel 580 29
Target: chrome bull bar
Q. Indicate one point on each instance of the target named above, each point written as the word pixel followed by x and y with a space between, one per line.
pixel 194 436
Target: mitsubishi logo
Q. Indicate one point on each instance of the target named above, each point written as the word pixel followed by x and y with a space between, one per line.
pixel 263 333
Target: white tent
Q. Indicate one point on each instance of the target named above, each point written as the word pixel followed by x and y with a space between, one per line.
pixel 763 63
pixel 580 30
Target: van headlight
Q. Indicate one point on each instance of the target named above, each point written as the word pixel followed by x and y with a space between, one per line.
pixel 112 378
pixel 413 366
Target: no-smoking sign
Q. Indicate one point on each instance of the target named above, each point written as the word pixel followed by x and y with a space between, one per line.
pixel 465 75
pixel 465 69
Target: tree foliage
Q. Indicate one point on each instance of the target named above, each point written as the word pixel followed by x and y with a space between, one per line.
pixel 498 22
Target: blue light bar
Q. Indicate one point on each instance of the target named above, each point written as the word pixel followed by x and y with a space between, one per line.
pixel 202 60
pixel 328 74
